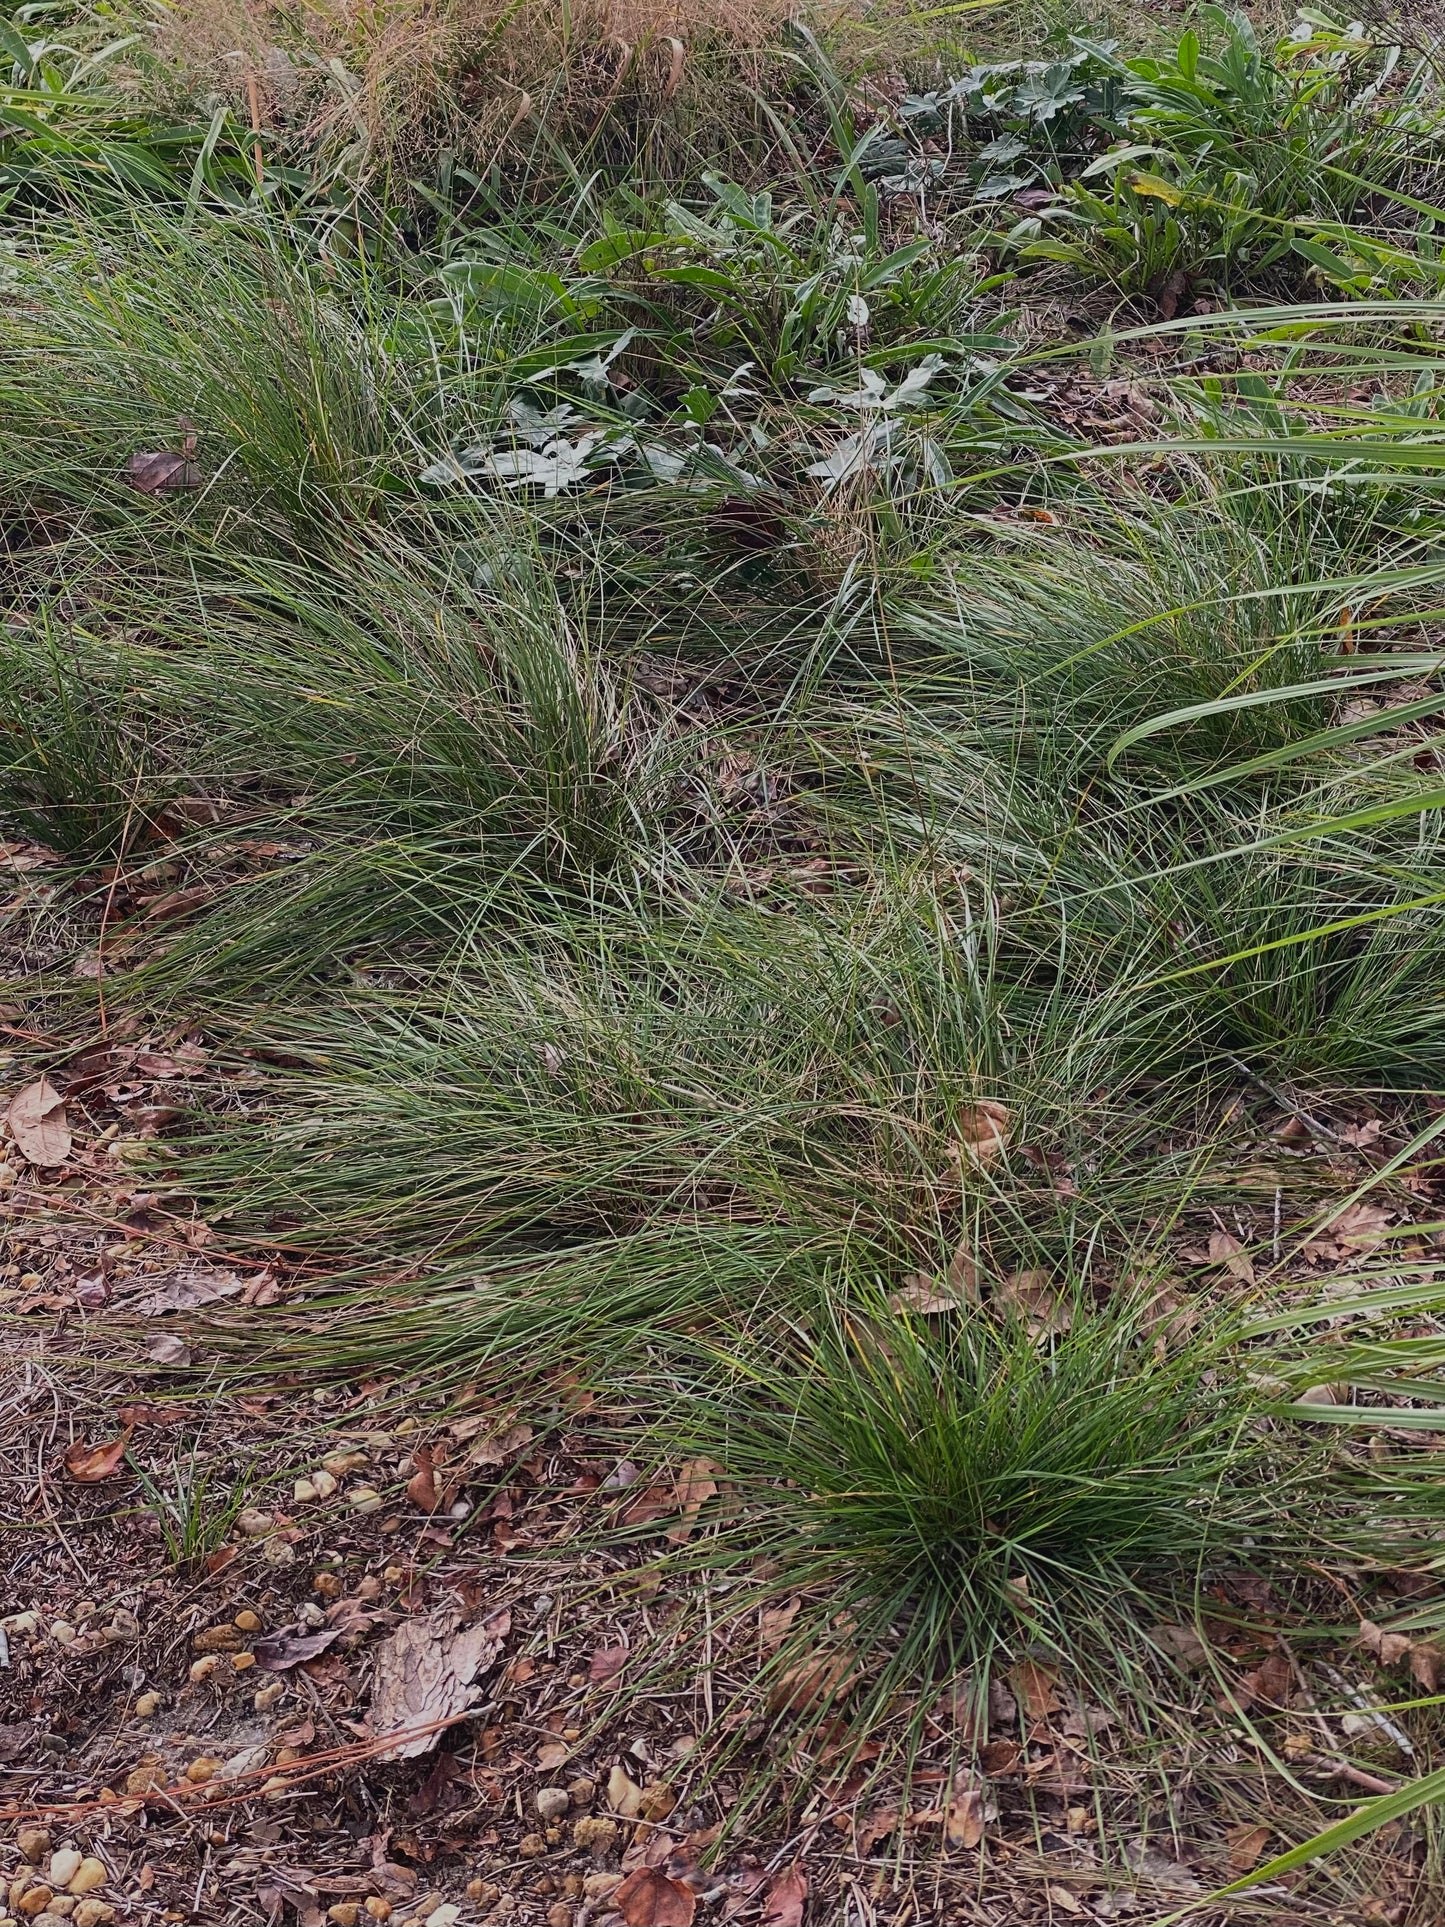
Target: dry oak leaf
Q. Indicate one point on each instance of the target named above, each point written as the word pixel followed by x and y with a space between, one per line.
pixel 1036 1685
pixel 186 1289
pixel 606 1663
pixel 983 1131
pixel 648 1898
pixel 38 1123
pixel 966 1819
pixel 89 1464
pixel 1388 1648
pixel 695 1486
pixel 425 1673
pixel 812 1682
pixel 421 1487
pixel 161 471
pixel 1246 1844
pixel 1032 1298
pixel 1270 1681
pixel 786 1899
pixel 1226 1250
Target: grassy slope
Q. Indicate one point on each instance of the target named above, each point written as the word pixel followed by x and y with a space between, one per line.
pixel 881 907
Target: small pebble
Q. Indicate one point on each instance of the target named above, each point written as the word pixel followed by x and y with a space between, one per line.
pixel 337 1464
pixel 266 1696
pixel 63 1864
pixel 199 1771
pixel 328 1584
pixel 344 1913
pixel 62 1905
pixel 93 1913
pixel 279 1552
pixel 147 1705
pixel 203 1667
pixel 253 1523
pixel 62 1632
pixel 560 1915
pixel 364 1498
pixel 532 1846
pixel 89 1875
pixel 33 1901
pixel 246 1621
pixel 552 1802
pixel 378 1908
pixel 303 1492
pixel 242 1662
pixel 324 1482
pixel 21 1625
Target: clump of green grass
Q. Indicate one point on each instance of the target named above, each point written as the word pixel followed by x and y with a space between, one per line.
pixel 952 1495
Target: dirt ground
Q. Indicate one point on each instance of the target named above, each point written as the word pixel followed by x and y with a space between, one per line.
pixel 278 1650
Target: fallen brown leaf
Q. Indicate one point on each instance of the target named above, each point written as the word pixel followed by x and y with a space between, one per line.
pixel 421 1487
pixel 89 1464
pixel 648 1898
pixel 161 471
pixel 1270 1681
pixel 279 1652
pixel 786 1898
pixel 965 1824
pixel 39 1124
pixel 1032 1298
pixel 695 1486
pixel 606 1663
pixel 425 1671
pixel 1246 1844
pixel 983 1130
pixel 1225 1249
pixel 1036 1685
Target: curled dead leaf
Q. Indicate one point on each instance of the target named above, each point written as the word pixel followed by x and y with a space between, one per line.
pixel 695 1486
pixel 1037 1687
pixel 812 1682
pixel 39 1124
pixel 1246 1844
pixel 1033 1299
pixel 89 1464
pixel 651 1898
pixel 421 1487
pixel 786 1898
pixel 1225 1249
pixel 983 1131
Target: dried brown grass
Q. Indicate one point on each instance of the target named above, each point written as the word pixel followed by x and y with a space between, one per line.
pixel 407 76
